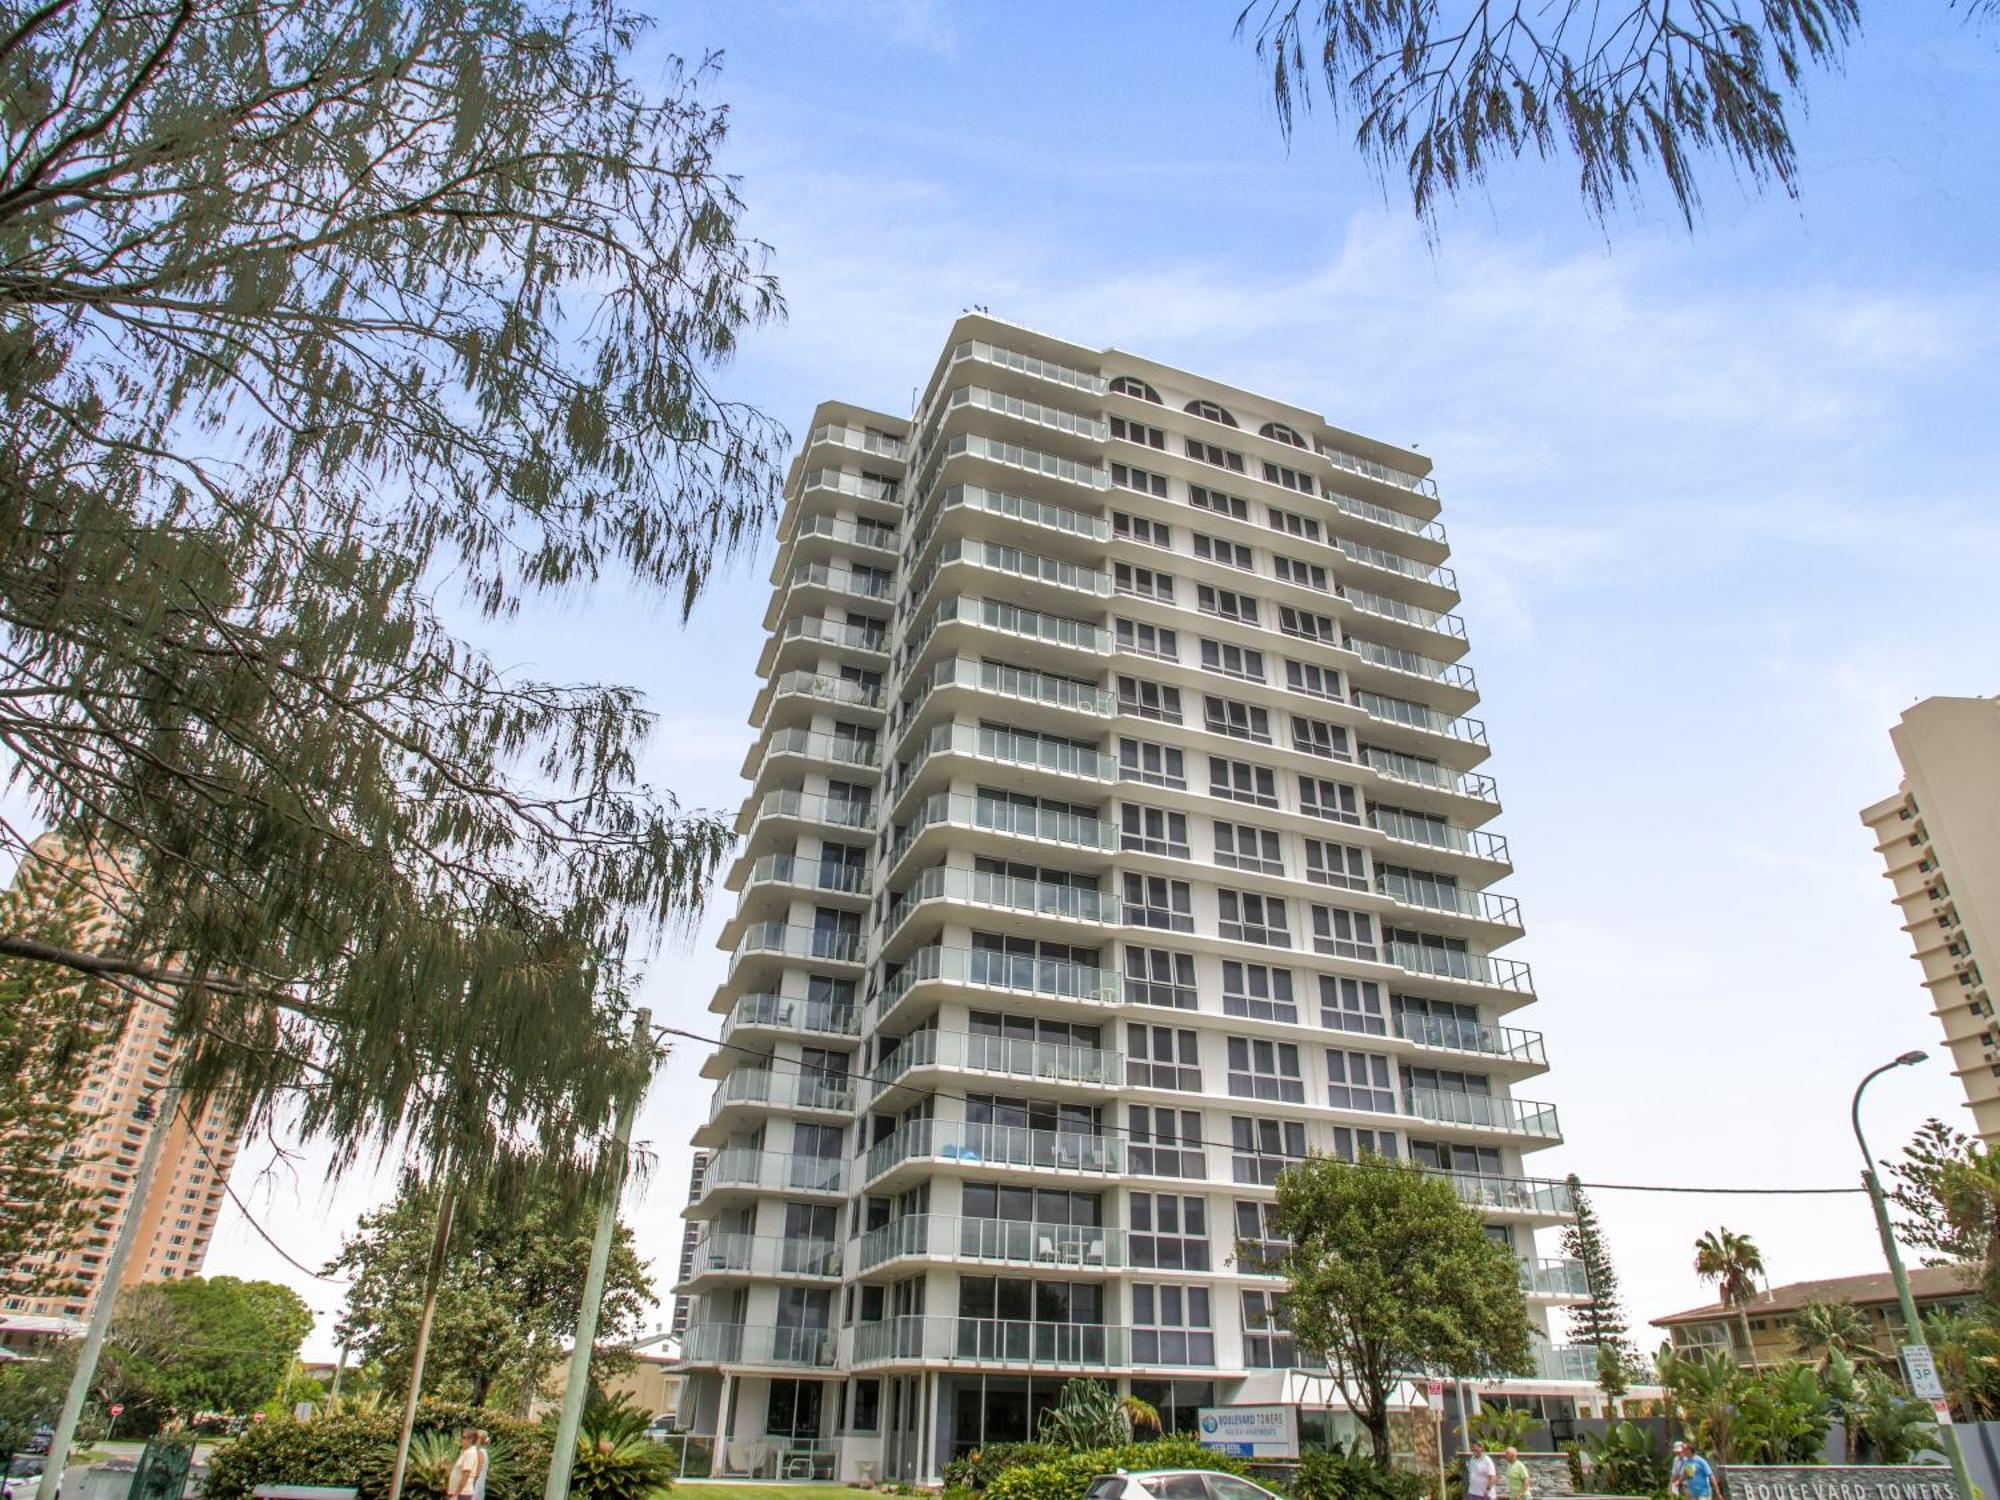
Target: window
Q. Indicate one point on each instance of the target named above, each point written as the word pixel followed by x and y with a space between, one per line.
pixel 1226 603
pixel 1304 574
pixel 1333 800
pixel 1229 554
pixel 1317 737
pixel 1264 1148
pixel 1304 677
pixel 1170 1325
pixel 1162 1057
pixel 1149 700
pixel 1156 765
pixel 1169 1232
pixel 1238 846
pixel 1359 1080
pixel 1146 583
pixel 867 1405
pixel 1156 641
pixel 1291 479
pixel 1258 992
pixel 1202 498
pixel 1259 1245
pixel 1239 781
pixel 1344 934
pixel 1155 901
pixel 1267 1338
pixel 1131 385
pixel 1208 411
pixel 1240 721
pixel 1164 1142
pixel 1251 918
pixel 1351 1145
pixel 1308 626
pixel 1142 480
pixel 1139 529
pixel 1328 863
pixel 1292 523
pixel 1233 661
pixel 1278 432
pixel 1154 976
pixel 1153 830
pixel 1137 432
pixel 1263 1069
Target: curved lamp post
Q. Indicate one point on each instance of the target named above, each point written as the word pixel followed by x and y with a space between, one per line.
pixel 1913 1331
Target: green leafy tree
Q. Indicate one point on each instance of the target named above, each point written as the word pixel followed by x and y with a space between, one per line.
pixel 1733 1262
pixel 311 310
pixel 508 1301
pixel 1966 1346
pixel 1599 1320
pixel 1779 1415
pixel 212 1343
pixel 53 1023
pixel 1891 1427
pixel 1621 90
pixel 1823 1328
pixel 1917 1187
pixel 1971 1198
pixel 1389 1273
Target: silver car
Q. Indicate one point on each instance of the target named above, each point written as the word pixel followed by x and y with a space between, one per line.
pixel 1175 1484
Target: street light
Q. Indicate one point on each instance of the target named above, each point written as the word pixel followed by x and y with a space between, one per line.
pixel 1913 1331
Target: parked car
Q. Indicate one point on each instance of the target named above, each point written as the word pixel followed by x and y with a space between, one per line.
pixel 24 1476
pixel 1175 1484
pixel 44 1437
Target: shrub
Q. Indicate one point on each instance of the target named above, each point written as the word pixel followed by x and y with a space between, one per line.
pixel 358 1448
pixel 1350 1474
pixel 976 1469
pixel 1066 1477
pixel 616 1461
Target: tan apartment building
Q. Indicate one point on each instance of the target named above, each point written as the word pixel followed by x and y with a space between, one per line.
pixel 1939 836
pixel 1116 836
pixel 177 1217
pixel 1773 1312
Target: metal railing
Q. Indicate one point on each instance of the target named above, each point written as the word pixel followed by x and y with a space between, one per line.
pixel 744 1167
pixel 833 689
pixel 816 628
pixel 1371 468
pixel 855 533
pixel 804 870
pixel 751 1344
pixel 1034 512
pixel 1006 892
pixel 789 941
pixel 856 437
pixel 822 746
pixel 860 487
pixel 1555 1277
pixel 1449 1034
pixel 841 581
pixel 1009 748
pixel 1523 1195
pixel 1040 824
pixel 992 1341
pixel 807 1090
pixel 977 1145
pixel 1004 1241
pixel 982 968
pixel 1054 1062
pixel 1020 683
pixel 1054 417
pixel 1410 715
pixel 811 807
pixel 1483 969
pixel 1432 834
pixel 1429 895
pixel 730 1253
pixel 1484 1111
pixel 1028 364
pixel 789 1013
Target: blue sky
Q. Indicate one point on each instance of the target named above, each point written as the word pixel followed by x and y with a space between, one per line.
pixel 1722 504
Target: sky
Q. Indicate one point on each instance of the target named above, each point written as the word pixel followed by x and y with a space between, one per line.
pixel 1720 500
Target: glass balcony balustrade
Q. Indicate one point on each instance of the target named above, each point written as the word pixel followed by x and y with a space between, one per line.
pixel 1483 1111
pixel 1049 1062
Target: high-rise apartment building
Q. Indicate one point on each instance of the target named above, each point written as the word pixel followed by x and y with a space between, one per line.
pixel 1115 838
pixel 690 1238
pixel 120 1095
pixel 1939 835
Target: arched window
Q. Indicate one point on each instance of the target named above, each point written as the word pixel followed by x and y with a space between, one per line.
pixel 1209 411
pixel 1281 433
pixel 1130 385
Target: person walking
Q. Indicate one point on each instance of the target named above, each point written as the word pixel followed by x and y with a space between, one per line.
pixel 1520 1484
pixel 1481 1474
pixel 468 1469
pixel 1692 1476
pixel 485 1464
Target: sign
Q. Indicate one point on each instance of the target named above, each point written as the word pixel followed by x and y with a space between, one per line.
pixel 1251 1431
pixel 1436 1389
pixel 118 1408
pixel 1836 1482
pixel 1941 1409
pixel 1922 1370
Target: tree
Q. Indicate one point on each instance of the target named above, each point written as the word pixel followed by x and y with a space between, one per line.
pixel 201 1344
pixel 508 1302
pixel 1822 1329
pixel 1971 1200
pixel 1966 1347
pixel 1733 1262
pixel 53 1023
pixel 1918 1192
pixel 1599 1320
pixel 309 308
pixel 1621 90
pixel 1390 1274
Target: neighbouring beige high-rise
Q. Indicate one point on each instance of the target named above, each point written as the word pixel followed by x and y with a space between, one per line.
pixel 177 1218
pixel 1115 837
pixel 1939 835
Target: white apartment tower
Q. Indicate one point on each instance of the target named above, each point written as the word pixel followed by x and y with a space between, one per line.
pixel 1115 838
pixel 1939 838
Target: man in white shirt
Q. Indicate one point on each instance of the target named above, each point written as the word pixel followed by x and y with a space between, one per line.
pixel 1481 1474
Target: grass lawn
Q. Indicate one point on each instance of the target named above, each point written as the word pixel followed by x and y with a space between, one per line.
pixel 718 1489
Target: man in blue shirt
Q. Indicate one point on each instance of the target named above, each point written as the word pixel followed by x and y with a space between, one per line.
pixel 1691 1475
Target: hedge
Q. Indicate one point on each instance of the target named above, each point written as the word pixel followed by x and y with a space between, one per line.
pixel 358 1449
pixel 1067 1477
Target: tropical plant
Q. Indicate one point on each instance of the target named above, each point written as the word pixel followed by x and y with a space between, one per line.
pixel 1823 1328
pixel 1972 1209
pixel 357 1449
pixel 1501 1427
pixel 1087 1417
pixel 1733 1262
pixel 1966 1347
pixel 1346 1472
pixel 1626 1460
pixel 616 1461
pixel 1886 1426
pixel 1777 1415
pixel 1599 1320
pixel 1068 1476
pixel 1389 1272
pixel 432 1455
pixel 976 1469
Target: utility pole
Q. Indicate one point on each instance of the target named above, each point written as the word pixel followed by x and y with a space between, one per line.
pixel 563 1458
pixel 433 1281
pixel 154 1110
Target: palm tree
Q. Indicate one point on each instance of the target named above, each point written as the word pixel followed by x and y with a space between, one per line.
pixel 1823 1329
pixel 1971 1194
pixel 1733 1262
pixel 1967 1349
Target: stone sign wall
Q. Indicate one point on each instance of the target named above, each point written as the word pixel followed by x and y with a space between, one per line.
pixel 1836 1482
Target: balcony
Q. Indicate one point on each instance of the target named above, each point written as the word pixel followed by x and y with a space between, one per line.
pixel 1540 1197
pixel 1446 1034
pixel 738 1344
pixel 1429 775
pixel 826 578
pixel 1020 684
pixel 1018 456
pixel 1482 969
pixel 998 557
pixel 991 1342
pixel 1055 418
pixel 1028 364
pixel 869 534
pixel 993 1146
pixel 854 486
pixel 1555 1279
pixel 785 1013
pixel 1004 973
pixel 1430 575
pixel 1009 820
pixel 995 1241
pixel 1413 664
pixel 1382 515
pixel 982 742
pixel 1417 716
pixel 807 873
pixel 784 940
pixel 812 744
pixel 770 1088
pixel 859 439
pixel 1577 1362
pixel 1063 903
pixel 1032 512
pixel 850 637
pixel 815 686
pixel 785 805
pixel 1370 468
pixel 1483 1112
pixel 958 1051
pixel 1429 895
pixel 1402 612
pixel 768 1171
pixel 734 1254
pixel 1028 625
pixel 1449 838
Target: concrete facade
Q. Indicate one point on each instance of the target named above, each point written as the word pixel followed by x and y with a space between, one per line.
pixel 1116 836
pixel 1939 837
